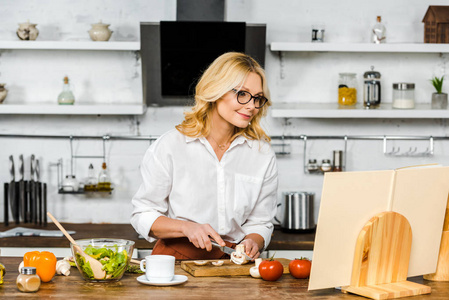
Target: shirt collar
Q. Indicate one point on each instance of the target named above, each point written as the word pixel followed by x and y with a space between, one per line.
pixel 239 140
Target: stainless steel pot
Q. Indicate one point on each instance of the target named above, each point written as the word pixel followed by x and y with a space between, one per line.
pixel 298 211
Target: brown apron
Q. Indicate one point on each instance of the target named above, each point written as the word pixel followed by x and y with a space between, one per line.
pixel 182 248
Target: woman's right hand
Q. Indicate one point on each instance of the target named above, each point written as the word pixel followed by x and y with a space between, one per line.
pixel 200 235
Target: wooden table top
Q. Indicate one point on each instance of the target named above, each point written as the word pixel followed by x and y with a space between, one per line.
pixel 238 287
pixel 280 240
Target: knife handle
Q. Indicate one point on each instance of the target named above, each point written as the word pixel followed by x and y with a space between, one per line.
pixel 44 194
pixel 5 207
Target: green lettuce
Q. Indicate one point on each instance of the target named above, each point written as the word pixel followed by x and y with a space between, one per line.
pixel 114 262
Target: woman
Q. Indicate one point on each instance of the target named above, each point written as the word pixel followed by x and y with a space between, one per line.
pixel 215 175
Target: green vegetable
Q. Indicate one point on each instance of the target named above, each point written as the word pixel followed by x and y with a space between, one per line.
pixel 134 269
pixel 438 84
pixel 114 262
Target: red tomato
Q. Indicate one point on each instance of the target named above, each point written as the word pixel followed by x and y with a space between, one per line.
pixel 271 270
pixel 300 267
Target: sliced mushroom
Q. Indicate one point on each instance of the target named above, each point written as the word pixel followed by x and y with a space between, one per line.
pixel 200 262
pixel 218 263
pixel 238 256
pixel 254 271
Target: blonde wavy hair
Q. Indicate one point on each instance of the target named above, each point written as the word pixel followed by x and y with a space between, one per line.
pixel 229 71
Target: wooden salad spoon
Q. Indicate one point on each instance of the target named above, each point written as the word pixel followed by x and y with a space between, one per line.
pixel 95 265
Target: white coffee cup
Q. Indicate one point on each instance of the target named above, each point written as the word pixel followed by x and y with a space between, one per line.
pixel 159 268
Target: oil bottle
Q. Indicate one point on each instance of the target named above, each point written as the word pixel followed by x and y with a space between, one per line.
pixel 91 183
pixel 104 180
pixel 66 96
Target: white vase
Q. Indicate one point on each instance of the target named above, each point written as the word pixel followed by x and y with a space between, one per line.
pixel 3 92
pixel 100 32
pixel 27 31
pixel 439 101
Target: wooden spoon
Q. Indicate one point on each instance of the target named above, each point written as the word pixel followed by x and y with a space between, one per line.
pixel 95 265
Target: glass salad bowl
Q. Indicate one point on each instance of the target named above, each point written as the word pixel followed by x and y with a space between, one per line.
pixel 102 259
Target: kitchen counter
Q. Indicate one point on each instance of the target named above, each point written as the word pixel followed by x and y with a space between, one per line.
pixel 280 240
pixel 246 287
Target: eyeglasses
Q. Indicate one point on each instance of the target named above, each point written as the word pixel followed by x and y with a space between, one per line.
pixel 244 97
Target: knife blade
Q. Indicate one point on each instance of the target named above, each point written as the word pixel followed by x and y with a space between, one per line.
pixel 227 250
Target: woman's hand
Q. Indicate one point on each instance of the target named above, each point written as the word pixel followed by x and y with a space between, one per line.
pixel 200 235
pixel 251 248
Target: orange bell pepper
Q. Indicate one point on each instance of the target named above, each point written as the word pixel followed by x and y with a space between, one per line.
pixel 44 262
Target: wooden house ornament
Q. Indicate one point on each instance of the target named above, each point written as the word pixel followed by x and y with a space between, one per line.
pixel 436 24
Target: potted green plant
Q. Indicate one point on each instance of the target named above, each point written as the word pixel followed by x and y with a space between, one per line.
pixel 439 99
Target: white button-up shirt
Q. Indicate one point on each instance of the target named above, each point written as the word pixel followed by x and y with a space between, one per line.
pixel 183 179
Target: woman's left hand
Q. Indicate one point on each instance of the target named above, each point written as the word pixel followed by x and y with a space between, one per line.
pixel 251 248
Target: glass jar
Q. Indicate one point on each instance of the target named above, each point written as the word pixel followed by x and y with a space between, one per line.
pixel 28 281
pixel 404 95
pixel 312 166
pixel 326 165
pixel 347 89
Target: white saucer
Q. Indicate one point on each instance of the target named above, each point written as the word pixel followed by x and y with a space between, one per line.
pixel 177 279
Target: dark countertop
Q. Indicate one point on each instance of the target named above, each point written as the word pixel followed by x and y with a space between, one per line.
pixel 227 287
pixel 279 241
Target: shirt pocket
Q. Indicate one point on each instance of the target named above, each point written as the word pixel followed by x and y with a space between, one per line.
pixel 246 193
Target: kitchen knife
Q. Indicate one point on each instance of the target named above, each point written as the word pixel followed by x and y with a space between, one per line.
pixel 5 206
pixel 22 201
pixel 32 190
pixel 44 192
pixel 228 250
pixel 12 189
pixel 38 194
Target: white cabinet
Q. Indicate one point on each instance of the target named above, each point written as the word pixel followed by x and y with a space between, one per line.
pixel 332 110
pixel 117 106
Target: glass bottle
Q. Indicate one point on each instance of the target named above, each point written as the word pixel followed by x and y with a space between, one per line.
pixel 379 32
pixel 66 96
pixel 28 281
pixel 91 183
pixel 104 181
pixel 347 89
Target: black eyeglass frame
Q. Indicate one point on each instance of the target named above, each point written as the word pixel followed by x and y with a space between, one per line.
pixel 252 97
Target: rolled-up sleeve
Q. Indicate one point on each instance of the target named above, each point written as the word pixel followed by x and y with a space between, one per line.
pixel 151 200
pixel 259 221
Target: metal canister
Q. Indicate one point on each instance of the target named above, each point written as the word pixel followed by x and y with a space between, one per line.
pixel 298 211
pixel 371 89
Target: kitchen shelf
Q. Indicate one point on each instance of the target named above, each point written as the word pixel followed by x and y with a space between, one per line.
pixel 332 110
pixel 82 191
pixel 77 109
pixel 69 45
pixel 360 47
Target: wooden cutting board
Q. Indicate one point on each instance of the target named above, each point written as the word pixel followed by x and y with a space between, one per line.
pixel 227 269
